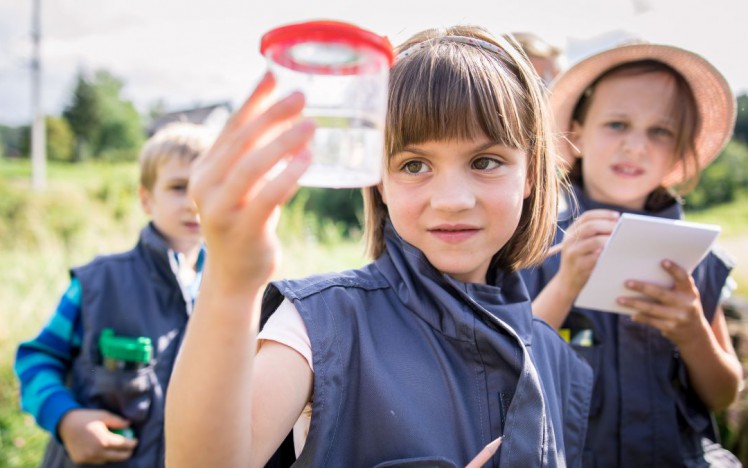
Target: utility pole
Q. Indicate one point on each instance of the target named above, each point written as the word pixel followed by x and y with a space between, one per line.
pixel 38 143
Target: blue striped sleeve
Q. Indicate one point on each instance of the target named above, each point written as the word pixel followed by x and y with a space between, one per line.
pixel 42 364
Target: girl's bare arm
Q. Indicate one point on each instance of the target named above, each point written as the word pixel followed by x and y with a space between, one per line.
pixel 225 406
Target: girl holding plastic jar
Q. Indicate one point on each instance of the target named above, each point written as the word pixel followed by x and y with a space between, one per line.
pixel 427 356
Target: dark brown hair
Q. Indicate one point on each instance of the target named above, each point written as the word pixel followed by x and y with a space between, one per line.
pixel 450 89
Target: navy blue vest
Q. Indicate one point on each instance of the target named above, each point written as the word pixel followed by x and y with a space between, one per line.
pixel 136 294
pixel 644 411
pixel 412 365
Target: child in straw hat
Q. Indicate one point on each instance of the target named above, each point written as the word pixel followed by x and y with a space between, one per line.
pixel 642 120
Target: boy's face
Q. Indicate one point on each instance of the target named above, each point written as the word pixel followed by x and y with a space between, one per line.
pixel 171 210
pixel 628 138
pixel 459 202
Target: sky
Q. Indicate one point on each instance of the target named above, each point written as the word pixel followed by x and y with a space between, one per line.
pixel 197 52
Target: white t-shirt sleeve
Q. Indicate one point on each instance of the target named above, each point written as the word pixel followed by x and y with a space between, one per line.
pixel 287 327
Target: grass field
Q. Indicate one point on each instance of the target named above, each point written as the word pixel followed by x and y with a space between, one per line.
pixel 95 205
pixel 733 218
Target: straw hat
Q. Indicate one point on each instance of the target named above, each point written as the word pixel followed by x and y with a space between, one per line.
pixel 714 99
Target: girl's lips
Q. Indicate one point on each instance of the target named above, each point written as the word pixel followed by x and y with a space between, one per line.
pixel 454 235
pixel 192 226
pixel 627 170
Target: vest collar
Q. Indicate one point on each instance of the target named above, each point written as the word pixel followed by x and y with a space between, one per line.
pixel 157 252
pixel 585 203
pixel 448 304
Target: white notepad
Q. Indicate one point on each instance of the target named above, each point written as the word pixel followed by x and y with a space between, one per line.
pixel 635 250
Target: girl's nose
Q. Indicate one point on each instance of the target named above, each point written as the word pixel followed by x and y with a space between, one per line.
pixel 452 193
pixel 635 143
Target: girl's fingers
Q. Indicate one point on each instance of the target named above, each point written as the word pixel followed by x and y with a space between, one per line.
pixel 220 162
pixel 485 455
pixel 264 128
pixel 248 109
pixel 256 164
pixel 254 102
pixel 591 245
pixel 285 184
pixel 644 306
pixel 246 122
pixel 600 220
pixel 593 228
pixel 655 292
pixel 683 290
pixel 683 280
pixel 600 214
pixel 120 443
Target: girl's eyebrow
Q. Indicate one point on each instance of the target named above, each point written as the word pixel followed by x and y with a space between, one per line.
pixel 624 115
pixel 177 179
pixel 616 115
pixel 476 149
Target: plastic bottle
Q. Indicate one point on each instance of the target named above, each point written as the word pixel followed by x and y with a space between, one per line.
pixel 343 71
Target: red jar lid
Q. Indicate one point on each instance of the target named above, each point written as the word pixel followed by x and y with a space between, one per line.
pixel 348 49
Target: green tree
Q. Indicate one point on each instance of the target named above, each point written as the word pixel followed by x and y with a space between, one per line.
pixel 741 123
pixel 59 137
pixel 84 115
pixel 11 140
pixel 723 179
pixel 104 124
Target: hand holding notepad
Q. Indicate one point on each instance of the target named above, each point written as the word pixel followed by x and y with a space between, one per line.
pixel 635 251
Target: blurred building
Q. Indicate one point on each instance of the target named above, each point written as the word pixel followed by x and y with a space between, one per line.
pixel 213 116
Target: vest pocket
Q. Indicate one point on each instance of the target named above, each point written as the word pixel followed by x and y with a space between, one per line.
pixel 585 340
pixel 127 393
pixel 593 356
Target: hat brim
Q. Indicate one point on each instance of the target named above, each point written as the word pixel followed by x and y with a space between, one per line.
pixel 714 98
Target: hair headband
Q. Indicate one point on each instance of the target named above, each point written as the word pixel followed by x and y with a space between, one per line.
pixel 464 39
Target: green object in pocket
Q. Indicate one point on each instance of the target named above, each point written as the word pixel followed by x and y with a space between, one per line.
pixel 123 352
pixel 126 432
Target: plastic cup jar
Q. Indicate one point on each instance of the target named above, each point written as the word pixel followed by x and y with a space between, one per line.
pixel 343 71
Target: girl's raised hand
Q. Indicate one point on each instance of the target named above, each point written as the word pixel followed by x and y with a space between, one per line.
pixel 675 312
pixel 581 247
pixel 237 191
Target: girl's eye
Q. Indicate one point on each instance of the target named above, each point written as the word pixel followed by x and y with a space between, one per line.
pixel 486 164
pixel 179 187
pixel 617 125
pixel 414 167
pixel 662 132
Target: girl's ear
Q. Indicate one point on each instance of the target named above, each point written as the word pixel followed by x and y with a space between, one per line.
pixel 145 199
pixel 575 139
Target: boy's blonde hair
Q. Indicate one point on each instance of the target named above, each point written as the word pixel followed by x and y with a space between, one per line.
pixel 183 141
pixel 451 89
